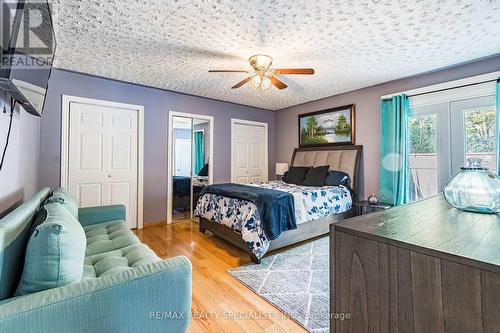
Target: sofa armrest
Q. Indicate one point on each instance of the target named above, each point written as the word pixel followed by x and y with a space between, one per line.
pixel 150 298
pixel 100 214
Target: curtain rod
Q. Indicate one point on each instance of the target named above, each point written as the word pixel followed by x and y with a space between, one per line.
pixel 450 88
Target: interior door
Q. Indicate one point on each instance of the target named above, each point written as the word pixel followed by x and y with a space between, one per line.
pixel 103 157
pixel 249 153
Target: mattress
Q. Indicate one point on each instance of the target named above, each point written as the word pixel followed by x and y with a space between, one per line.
pixel 310 203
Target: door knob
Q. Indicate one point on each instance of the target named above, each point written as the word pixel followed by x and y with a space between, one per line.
pixel 109 176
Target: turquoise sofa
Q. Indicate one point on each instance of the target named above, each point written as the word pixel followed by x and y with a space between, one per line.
pixel 125 287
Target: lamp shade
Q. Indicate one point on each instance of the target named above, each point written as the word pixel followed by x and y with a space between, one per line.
pixel 281 168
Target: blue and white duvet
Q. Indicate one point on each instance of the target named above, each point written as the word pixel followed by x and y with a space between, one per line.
pixel 311 203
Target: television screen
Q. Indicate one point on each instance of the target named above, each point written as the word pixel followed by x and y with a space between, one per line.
pixel 28 46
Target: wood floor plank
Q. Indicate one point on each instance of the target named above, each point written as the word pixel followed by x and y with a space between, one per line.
pixel 218 298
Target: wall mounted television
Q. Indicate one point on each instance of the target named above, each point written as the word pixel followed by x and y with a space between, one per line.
pixel 27 51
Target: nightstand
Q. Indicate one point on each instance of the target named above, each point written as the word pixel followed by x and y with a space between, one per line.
pixel 363 207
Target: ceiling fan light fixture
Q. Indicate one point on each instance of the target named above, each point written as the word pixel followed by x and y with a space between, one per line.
pixel 263 77
pixel 266 83
pixel 256 81
pixel 261 62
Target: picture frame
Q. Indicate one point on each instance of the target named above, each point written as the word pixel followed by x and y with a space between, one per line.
pixel 330 127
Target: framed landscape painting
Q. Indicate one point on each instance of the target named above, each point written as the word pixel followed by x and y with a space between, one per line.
pixel 328 127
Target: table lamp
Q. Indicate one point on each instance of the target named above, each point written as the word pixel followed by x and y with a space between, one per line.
pixel 281 168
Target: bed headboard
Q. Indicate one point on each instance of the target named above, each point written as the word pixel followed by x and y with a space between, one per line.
pixel 342 158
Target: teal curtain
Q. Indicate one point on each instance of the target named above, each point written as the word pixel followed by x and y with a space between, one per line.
pixel 394 151
pixel 199 152
pixel 498 126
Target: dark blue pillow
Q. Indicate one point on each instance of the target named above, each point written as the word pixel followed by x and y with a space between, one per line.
pixel 296 175
pixel 316 176
pixel 337 178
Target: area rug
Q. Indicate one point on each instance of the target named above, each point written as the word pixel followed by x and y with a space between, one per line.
pixel 296 281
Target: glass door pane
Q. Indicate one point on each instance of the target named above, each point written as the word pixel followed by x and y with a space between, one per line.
pixel 423 156
pixel 429 150
pixel 480 143
pixel 473 134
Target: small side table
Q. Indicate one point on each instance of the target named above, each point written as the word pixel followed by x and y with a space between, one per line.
pixel 363 207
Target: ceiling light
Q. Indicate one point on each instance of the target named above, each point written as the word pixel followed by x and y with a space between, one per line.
pixel 260 61
pixel 263 76
pixel 266 83
pixel 256 81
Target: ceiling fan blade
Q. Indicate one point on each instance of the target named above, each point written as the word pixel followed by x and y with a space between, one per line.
pixel 278 83
pixel 227 71
pixel 302 71
pixel 239 84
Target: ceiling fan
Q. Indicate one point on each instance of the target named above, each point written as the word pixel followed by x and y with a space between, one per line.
pixel 262 76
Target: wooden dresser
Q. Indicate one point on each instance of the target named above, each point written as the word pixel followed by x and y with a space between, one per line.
pixel 423 267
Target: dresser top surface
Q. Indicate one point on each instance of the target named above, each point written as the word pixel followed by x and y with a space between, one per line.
pixel 433 224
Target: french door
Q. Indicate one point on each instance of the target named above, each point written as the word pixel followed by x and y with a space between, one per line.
pixel 444 135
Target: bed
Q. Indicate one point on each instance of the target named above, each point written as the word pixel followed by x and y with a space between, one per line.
pixel 222 215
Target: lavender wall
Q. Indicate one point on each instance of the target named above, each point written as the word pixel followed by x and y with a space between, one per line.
pixel 367 114
pixel 157 103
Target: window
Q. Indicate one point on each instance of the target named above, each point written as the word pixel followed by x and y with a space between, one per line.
pixel 445 130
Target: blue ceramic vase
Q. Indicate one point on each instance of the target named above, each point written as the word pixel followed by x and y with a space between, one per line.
pixel 474 189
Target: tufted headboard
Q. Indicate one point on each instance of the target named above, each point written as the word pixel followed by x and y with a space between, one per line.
pixel 341 158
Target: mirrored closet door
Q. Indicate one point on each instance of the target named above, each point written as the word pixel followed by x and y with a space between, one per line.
pixel 190 163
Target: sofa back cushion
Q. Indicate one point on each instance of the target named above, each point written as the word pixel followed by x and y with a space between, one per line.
pixel 55 252
pixel 14 233
pixel 65 199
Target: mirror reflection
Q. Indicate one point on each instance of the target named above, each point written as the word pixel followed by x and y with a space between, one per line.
pixel 201 144
pixel 190 164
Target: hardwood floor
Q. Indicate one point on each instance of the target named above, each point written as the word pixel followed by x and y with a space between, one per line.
pixel 216 294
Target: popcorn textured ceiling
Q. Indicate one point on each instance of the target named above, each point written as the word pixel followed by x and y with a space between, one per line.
pixel 351 44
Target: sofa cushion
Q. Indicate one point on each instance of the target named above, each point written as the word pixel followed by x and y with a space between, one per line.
pixel 65 199
pixel 38 219
pixel 109 236
pixel 55 252
pixel 14 235
pixel 95 215
pixel 112 262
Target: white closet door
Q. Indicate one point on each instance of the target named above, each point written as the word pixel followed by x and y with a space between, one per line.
pixel 249 153
pixel 182 158
pixel 240 161
pixel 103 157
